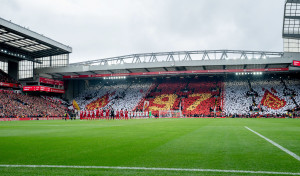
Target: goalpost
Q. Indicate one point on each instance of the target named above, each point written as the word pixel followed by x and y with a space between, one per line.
pixel 170 113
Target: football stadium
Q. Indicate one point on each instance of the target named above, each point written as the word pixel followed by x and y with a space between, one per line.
pixel 197 112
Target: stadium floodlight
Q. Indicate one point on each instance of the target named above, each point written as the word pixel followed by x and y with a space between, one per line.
pixel 236 73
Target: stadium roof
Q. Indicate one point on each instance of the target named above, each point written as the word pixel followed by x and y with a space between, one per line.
pixel 210 61
pixel 23 44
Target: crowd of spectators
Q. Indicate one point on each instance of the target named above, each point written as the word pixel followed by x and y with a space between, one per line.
pixel 20 105
pixel 261 98
pixel 235 99
pixel 117 96
pixel 194 97
pixel 200 98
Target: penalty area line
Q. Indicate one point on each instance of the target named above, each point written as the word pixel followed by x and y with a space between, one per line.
pixel 275 144
pixel 151 168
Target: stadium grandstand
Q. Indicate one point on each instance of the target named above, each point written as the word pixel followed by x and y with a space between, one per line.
pixel 23 93
pixel 201 112
pixel 201 83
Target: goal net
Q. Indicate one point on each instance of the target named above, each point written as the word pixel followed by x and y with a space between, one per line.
pixel 170 113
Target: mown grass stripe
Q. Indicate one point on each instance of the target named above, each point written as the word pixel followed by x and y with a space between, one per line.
pixel 275 144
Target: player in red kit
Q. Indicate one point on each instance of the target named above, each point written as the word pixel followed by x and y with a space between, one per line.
pixel 126 114
pixel 101 113
pixel 93 115
pixel 84 114
pixel 117 114
pixel 121 114
pixel 107 114
pixel 81 114
pixel 97 113
pixel 89 115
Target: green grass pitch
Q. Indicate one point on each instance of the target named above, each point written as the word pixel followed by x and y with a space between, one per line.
pixel 157 143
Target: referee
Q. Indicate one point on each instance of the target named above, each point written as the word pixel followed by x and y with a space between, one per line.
pixel 112 114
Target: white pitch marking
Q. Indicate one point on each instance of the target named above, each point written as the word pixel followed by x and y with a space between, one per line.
pixel 275 144
pixel 153 168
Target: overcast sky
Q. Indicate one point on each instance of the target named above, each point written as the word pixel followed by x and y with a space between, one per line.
pixel 97 29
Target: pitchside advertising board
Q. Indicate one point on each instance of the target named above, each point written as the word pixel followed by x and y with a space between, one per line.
pixel 42 89
pixel 296 63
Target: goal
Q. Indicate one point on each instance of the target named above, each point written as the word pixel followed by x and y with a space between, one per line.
pixel 170 114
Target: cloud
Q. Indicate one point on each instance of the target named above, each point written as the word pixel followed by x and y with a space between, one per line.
pixel 106 28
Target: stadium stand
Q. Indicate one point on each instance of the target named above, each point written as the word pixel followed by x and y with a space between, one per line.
pixel 236 101
pixel 264 97
pixel 118 96
pixel 203 97
pixel 193 97
pixel 19 105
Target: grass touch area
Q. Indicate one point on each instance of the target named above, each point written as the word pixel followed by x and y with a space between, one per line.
pixel 165 143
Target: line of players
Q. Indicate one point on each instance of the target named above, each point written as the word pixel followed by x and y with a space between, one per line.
pixel 107 114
